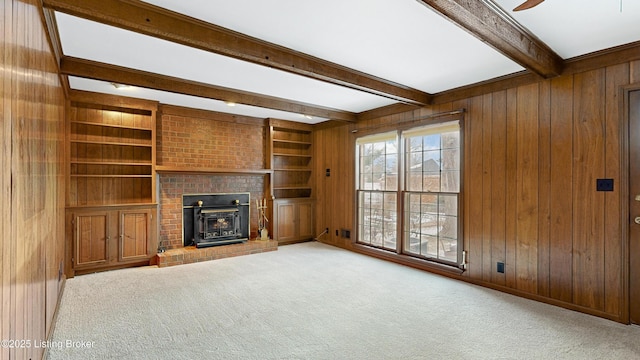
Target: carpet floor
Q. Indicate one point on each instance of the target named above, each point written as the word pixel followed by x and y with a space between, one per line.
pixel 314 301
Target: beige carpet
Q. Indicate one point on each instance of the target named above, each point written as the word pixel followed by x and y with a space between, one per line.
pixel 314 301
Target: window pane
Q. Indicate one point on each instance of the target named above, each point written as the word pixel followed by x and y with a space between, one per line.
pixel 449 227
pixel 365 164
pixel 429 246
pixel 414 181
pixel 378 164
pixel 451 159
pixel 431 142
pixel 391 147
pixel 431 182
pixel 414 144
pixel 431 161
pixel 449 205
pixel 367 149
pixel 412 243
pixel 415 161
pixel 450 181
pixel 451 140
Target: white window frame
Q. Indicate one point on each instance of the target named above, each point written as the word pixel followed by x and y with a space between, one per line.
pixel 402 211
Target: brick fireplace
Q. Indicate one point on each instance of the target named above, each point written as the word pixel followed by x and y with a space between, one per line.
pixel 172 187
pixel 200 152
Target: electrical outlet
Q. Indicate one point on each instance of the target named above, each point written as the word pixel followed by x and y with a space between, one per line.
pixel 500 267
pixel 604 185
pixel 345 233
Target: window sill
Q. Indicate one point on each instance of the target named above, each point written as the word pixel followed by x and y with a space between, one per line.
pixel 431 266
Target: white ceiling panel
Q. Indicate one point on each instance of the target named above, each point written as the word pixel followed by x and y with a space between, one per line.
pixel 399 40
pixel 187 101
pixel 94 41
pixel 577 27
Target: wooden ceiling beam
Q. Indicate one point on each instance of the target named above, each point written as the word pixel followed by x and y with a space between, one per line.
pixel 492 25
pixel 105 72
pixel 164 24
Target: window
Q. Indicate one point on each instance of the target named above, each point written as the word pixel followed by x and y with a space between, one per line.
pixel 378 190
pixel 427 217
pixel 432 189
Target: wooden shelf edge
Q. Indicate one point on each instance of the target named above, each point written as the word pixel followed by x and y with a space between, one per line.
pixel 293 155
pixel 194 170
pixel 72 141
pixel 125 205
pixel 294 142
pixel 111 163
pixel 292 188
pixel 114 176
pixel 293 169
pixel 111 125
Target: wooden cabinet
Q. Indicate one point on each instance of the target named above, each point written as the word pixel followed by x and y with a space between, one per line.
pixel 111 200
pixel 111 238
pixel 135 235
pixel 294 220
pixel 290 158
pixel 91 238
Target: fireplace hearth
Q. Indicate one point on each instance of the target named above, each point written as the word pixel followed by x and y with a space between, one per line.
pixel 215 219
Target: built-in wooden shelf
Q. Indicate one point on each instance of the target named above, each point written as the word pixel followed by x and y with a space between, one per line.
pixel 196 170
pixel 293 169
pixel 111 125
pixel 110 176
pixel 303 143
pixel 117 143
pixel 96 162
pixel 102 206
pixel 293 155
pixel 292 187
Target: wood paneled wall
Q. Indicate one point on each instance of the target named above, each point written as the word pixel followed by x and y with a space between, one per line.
pixel 532 156
pixel 31 180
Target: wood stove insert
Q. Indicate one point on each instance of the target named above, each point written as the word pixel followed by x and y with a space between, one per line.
pixel 215 219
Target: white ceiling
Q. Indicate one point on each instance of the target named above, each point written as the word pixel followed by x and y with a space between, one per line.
pixel 402 41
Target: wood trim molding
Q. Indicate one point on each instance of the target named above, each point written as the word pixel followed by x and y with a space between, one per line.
pixel 287 124
pixel 111 73
pixel 51 27
pixel 493 26
pixel 161 169
pixel 597 60
pixel 385 111
pixel 88 97
pixel 164 24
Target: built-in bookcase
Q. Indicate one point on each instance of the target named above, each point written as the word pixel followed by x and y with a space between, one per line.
pixel 111 210
pixel 291 162
pixel 290 158
pixel 111 155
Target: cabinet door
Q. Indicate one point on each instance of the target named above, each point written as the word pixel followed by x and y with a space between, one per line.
pixel 91 238
pixel 286 222
pixel 135 229
pixel 305 220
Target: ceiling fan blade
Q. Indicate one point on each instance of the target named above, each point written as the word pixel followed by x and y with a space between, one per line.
pixel 528 5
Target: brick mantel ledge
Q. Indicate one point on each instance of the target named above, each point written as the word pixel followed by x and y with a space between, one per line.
pixel 190 254
pixel 161 169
